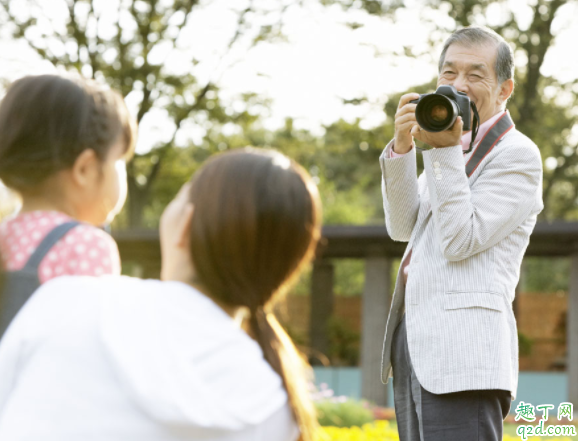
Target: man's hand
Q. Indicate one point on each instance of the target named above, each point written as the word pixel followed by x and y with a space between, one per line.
pixel 404 123
pixel 447 138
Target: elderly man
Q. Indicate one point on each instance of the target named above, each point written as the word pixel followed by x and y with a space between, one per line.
pixel 451 339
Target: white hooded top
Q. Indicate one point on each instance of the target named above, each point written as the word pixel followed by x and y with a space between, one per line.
pixel 118 358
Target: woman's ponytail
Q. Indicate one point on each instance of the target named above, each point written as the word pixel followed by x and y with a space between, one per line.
pixel 281 354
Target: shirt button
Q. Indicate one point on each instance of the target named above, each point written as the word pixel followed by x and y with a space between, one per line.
pixel 439 177
pixel 437 171
pixel 436 164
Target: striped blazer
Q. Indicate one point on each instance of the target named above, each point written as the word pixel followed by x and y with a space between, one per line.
pixel 468 237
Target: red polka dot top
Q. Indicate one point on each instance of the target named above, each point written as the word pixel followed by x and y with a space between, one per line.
pixel 84 250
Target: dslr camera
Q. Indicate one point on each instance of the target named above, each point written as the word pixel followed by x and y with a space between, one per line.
pixel 438 111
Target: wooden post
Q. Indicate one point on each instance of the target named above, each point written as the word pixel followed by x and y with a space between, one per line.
pixel 376 302
pixel 572 333
pixel 321 308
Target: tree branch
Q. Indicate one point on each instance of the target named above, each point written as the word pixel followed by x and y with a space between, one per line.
pixel 144 30
pixel 93 55
pixel 178 122
pixel 543 29
pixel 77 34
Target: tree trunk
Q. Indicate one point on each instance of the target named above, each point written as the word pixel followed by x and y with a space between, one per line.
pixel 137 199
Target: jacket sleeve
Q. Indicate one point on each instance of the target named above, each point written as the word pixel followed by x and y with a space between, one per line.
pixel 470 220
pixel 399 188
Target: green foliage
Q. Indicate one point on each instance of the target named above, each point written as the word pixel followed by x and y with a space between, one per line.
pixel 343 343
pixel 344 163
pixel 348 413
pixel 344 160
pixel 349 207
pixel 550 129
pixel 545 275
pixel 349 278
pixel 525 344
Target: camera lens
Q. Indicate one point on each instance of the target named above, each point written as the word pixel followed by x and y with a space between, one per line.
pixel 436 113
pixel 439 113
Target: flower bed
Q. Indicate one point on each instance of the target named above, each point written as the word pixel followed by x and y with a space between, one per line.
pixel 380 430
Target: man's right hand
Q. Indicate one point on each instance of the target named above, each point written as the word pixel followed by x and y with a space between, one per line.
pixel 404 122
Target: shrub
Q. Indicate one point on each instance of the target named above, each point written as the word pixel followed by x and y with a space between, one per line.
pixel 343 413
pixel 344 343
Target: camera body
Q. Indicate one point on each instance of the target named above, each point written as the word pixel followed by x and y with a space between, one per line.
pixel 438 111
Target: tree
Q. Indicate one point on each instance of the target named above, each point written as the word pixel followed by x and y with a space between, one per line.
pixel 126 43
pixel 125 53
pixel 344 163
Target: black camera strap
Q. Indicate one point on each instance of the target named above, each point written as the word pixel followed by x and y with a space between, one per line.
pixel 502 126
pixel 475 128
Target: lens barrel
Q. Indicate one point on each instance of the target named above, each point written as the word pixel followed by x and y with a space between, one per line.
pixel 436 113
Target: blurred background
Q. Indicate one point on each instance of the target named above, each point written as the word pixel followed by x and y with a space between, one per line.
pixel 320 80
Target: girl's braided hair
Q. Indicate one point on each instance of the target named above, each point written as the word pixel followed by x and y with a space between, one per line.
pixel 47 121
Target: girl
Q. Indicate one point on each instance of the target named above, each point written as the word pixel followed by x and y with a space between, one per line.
pixel 118 358
pixel 63 146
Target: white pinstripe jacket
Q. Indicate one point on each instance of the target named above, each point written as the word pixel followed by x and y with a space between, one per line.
pixel 468 237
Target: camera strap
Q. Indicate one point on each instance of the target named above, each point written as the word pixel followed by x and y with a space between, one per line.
pixel 475 128
pixel 502 126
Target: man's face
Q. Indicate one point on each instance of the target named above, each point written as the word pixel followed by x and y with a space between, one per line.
pixel 471 70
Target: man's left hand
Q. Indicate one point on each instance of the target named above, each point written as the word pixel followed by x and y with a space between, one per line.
pixel 447 138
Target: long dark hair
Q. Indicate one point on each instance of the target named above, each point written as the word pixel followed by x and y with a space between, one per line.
pixel 255 225
pixel 47 121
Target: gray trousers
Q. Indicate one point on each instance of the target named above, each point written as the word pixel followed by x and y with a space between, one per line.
pixel 473 415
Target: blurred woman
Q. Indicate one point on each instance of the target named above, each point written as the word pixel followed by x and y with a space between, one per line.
pixel 117 358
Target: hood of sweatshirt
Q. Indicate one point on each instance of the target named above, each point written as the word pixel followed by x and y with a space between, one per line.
pixel 182 359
